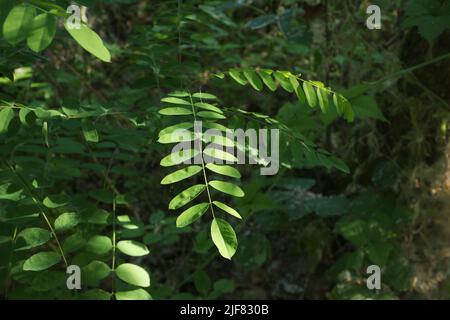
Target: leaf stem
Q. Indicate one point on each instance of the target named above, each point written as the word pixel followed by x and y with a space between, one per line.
pixel 203 161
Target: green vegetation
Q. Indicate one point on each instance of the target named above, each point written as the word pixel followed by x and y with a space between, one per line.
pixel 89 176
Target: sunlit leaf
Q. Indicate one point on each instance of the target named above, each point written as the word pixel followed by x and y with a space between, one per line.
pixel 138 294
pixel 99 244
pixel 18 23
pixel 181 174
pixel 186 196
pixel 322 97
pixel 89 131
pixel 224 170
pixel 267 79
pixel 238 77
pixel 175 100
pixel 208 106
pixel 224 237
pixel 6 115
pixel 204 96
pixel 42 31
pixel 227 209
pixel 253 79
pixel 178 157
pixel 227 187
pixel 132 248
pixel 41 261
pixel 175 111
pixel 220 154
pixel 133 274
pixel 310 94
pixel 34 237
pixel 90 41
pixel 210 115
pixel 190 215
pixel 67 221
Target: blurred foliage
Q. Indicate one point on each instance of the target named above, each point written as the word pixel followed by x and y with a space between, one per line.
pixel 80 159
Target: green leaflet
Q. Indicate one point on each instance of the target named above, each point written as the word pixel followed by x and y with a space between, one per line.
pixel 210 115
pixel 202 282
pixel 6 115
pixel 180 136
pixel 224 285
pixel 186 196
pixel 18 23
pixel 283 79
pixel 365 107
pixel 343 107
pixel 227 209
pixel 98 216
pixel 55 201
pixel 267 79
pixel 89 132
pixel 133 274
pixel 42 32
pixel 41 261
pixel 224 237
pixel 99 244
pixel 322 96
pixel 126 222
pixel 349 114
pixel 293 81
pixel 74 242
pixel 47 280
pixel 95 271
pixel 138 294
pixel 179 94
pixel 220 154
pixel 214 125
pixel 227 187
pixel 324 160
pixel 224 170
pixel 310 94
pixel 181 174
pixel 178 158
pixel 208 106
pixel 132 248
pixel 45 133
pixel 237 76
pixel 179 126
pixel 33 237
pixel 5 8
pixel 253 79
pixel 218 139
pixel 338 104
pixel 27 116
pixel 90 41
pixel 204 96
pixel 67 221
pixel 175 111
pixel 300 94
pixel 190 215
pixel 174 100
